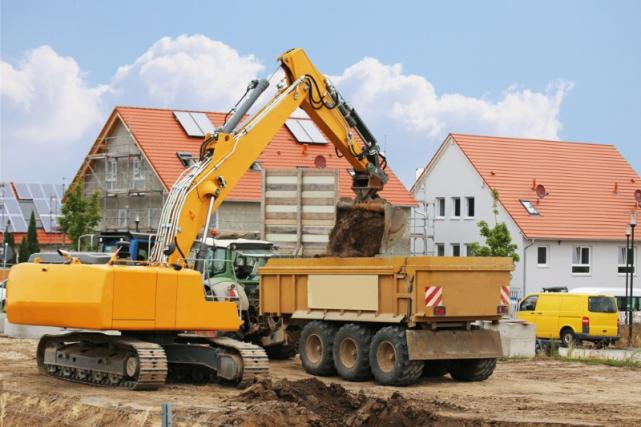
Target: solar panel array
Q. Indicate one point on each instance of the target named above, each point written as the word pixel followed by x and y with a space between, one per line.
pixel 194 124
pixel 10 212
pixel 47 198
pixel 305 131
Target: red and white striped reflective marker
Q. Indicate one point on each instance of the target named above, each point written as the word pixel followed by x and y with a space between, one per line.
pixel 433 296
pixel 505 295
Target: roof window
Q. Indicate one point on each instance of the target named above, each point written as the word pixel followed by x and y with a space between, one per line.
pixel 194 124
pixel 256 166
pixel 187 159
pixel 529 207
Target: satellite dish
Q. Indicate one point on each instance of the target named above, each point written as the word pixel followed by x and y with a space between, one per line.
pixel 637 196
pixel 540 191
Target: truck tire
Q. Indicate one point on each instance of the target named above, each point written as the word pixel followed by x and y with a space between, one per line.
pixel 280 352
pixel 351 352
pixel 315 348
pixel 434 368
pixel 471 369
pixel 389 358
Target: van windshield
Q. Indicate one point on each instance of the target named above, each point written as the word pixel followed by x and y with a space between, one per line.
pixel 602 305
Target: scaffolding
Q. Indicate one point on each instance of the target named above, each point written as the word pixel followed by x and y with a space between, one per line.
pixel 422 226
pixel 131 194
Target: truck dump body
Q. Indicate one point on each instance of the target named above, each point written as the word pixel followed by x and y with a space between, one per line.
pixel 410 290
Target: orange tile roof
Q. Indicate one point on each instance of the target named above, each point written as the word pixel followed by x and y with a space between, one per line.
pixel 160 136
pixel 590 186
pixel 44 238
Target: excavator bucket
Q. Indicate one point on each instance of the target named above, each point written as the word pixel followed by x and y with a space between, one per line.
pixel 365 229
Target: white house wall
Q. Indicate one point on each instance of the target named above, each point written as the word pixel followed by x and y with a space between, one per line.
pixel 452 175
pixel 558 272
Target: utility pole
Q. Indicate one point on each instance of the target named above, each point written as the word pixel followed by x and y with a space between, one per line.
pixel 633 223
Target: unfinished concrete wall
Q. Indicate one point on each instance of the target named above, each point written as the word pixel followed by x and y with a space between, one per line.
pixel 128 187
pixel 241 217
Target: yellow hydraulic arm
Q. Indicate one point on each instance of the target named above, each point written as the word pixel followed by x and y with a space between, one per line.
pixel 229 153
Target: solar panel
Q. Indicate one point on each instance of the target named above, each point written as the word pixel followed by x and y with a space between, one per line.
pixel 42 207
pixel 59 191
pixel 187 122
pixel 203 122
pixel 18 224
pixel 49 222
pixel 315 133
pixel 12 207
pixel 49 190
pixel 23 191
pixel 299 132
pixel 55 205
pixel 36 191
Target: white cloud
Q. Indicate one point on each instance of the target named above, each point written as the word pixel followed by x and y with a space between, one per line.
pixel 407 111
pixel 47 107
pixel 187 72
pixel 51 114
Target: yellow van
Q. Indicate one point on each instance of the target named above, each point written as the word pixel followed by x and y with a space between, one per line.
pixel 572 318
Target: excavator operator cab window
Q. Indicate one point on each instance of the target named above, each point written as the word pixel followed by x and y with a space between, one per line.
pixel 216 261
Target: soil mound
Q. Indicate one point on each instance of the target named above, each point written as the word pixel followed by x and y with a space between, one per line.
pixel 333 405
pixel 357 233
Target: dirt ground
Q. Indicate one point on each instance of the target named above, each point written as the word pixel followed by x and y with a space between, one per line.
pixel 538 392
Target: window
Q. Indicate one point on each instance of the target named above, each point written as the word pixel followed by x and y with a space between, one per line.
pixel 111 174
pixel 256 166
pixel 529 303
pixel 456 207
pixel 602 305
pixel 138 169
pixel 122 218
pixel 529 207
pixel 440 207
pixel 440 249
pixel 623 260
pixel 456 249
pixel 581 260
pixel 187 159
pixel 468 249
pixel 469 207
pixel 542 256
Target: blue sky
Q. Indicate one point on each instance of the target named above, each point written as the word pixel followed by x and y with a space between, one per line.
pixel 549 69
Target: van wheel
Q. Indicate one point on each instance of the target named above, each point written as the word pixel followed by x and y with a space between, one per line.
pixel 471 369
pixel 389 358
pixel 434 368
pixel 351 352
pixel 315 348
pixel 567 337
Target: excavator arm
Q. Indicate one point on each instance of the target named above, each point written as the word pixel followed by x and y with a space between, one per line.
pixel 229 153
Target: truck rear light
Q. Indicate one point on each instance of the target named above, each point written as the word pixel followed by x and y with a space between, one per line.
pixel 585 324
pixel 439 310
pixel 502 309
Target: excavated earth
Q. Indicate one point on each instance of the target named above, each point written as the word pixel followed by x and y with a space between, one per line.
pixel 357 233
pixel 522 392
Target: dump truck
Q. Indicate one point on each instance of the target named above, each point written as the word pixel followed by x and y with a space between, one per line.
pixel 393 318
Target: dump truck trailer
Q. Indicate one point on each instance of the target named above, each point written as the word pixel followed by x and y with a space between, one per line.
pixel 393 318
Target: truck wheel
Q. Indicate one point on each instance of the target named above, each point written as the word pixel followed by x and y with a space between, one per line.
pixel 351 352
pixel 434 368
pixel 315 348
pixel 280 352
pixel 389 358
pixel 567 337
pixel 471 369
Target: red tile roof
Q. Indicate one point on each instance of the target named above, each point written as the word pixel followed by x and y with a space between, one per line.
pixel 160 136
pixel 44 238
pixel 590 186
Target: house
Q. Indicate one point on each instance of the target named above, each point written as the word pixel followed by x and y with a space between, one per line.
pixel 19 200
pixel 566 205
pixel 140 152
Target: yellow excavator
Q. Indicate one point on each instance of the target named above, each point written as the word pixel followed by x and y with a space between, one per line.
pixel 136 313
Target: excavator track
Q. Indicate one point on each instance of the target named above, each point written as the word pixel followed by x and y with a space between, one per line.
pixel 254 358
pixel 103 360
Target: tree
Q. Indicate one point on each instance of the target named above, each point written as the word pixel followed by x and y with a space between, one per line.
pixel 9 241
pixel 80 214
pixel 29 244
pixel 498 240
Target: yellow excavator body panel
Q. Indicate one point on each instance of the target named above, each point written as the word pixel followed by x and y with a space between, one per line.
pixel 118 297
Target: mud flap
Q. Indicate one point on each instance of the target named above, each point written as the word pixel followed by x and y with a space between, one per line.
pixel 435 345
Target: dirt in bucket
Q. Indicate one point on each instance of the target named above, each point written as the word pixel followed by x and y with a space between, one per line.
pixel 357 233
